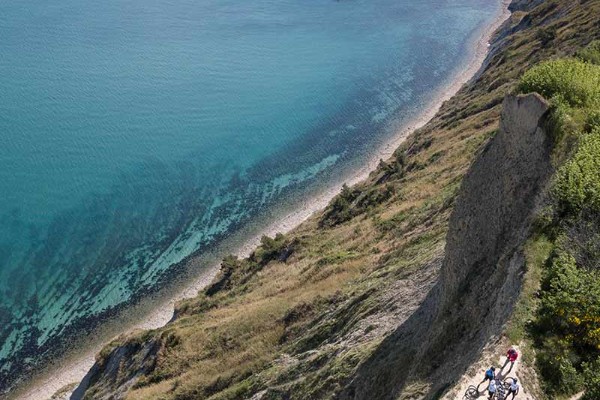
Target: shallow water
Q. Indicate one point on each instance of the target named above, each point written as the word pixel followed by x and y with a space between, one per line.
pixel 135 132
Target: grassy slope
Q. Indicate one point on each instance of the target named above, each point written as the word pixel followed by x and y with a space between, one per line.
pixel 302 326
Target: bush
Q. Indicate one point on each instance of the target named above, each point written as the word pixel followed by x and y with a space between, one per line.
pixel 223 279
pixel 592 380
pixel 271 249
pixel 560 120
pixel 575 81
pixel 339 209
pixel 560 375
pixel 593 120
pixel 354 201
pixel 578 181
pixel 591 53
pixel 568 324
pixel 570 307
pixel 546 34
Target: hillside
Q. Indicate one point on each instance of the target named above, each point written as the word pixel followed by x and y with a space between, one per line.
pixel 388 292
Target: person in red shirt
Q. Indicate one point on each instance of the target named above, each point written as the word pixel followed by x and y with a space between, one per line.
pixel 511 356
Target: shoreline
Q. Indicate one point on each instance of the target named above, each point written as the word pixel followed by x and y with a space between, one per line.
pixel 76 366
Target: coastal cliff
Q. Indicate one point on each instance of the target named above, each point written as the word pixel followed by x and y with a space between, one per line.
pixel 480 276
pixel 396 288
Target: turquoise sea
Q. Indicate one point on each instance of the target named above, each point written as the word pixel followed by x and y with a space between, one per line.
pixel 136 132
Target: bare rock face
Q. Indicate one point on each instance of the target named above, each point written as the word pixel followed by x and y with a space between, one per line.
pixel 481 276
pixel 483 265
pixel 498 193
pixel 111 377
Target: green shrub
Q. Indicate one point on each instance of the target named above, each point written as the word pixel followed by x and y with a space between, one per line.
pixel 223 279
pixel 556 367
pixel 592 380
pixel 560 119
pixel 578 181
pixel 271 249
pixel 339 209
pixel 570 306
pixel 575 81
pixel 591 53
pixel 546 34
pixel 355 201
pixel 593 120
pixel 568 324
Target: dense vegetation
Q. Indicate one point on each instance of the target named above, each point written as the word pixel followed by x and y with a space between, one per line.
pixel 578 182
pixel 572 81
pixel 591 53
pixel 566 326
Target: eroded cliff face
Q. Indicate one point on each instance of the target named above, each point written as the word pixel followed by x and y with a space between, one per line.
pixel 481 275
pixel 115 373
pixel 483 264
pixel 498 195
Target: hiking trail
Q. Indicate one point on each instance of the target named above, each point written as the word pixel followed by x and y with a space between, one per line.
pixel 470 386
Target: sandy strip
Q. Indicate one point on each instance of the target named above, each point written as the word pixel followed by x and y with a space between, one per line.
pixel 44 387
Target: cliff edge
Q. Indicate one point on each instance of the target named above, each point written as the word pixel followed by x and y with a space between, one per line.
pixel 480 276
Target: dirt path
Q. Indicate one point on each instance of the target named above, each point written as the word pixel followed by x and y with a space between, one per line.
pixel 470 386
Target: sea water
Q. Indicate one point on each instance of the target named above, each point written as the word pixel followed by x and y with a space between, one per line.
pixel 136 132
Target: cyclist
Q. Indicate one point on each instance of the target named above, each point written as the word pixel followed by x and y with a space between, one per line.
pixel 490 374
pixel 492 388
pixel 513 389
pixel 511 356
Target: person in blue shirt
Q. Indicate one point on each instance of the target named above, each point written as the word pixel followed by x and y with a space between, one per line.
pixel 490 374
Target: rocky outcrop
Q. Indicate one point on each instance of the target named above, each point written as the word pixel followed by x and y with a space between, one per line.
pixel 483 265
pixel 112 375
pixel 499 192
